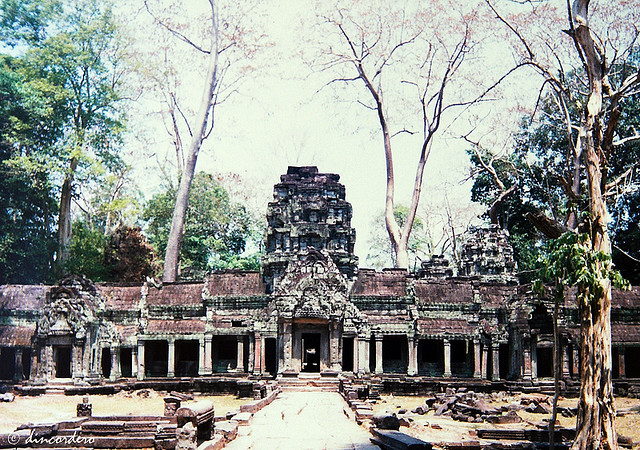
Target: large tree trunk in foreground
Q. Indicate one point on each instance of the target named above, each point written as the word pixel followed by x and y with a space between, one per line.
pixel 174 242
pixel 595 426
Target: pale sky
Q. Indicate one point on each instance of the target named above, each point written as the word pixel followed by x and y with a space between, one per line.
pixel 278 118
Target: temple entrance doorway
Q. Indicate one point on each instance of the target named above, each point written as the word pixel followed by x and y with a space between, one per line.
pixel 311 352
pixel 62 360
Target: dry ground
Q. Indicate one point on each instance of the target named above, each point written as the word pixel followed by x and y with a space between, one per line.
pixel 53 408
pixel 436 429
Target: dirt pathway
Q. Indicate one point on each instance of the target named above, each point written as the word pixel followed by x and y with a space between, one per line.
pixel 303 420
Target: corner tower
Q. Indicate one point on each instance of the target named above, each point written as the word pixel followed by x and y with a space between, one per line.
pixel 309 211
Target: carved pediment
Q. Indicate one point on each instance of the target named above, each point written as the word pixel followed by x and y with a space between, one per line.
pixel 313 287
pixel 70 308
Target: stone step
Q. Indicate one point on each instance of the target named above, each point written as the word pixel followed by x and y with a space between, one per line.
pixel 308 385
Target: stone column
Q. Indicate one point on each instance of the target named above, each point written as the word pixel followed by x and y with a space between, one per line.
pixel 287 346
pixel 140 360
pixel 495 348
pixel 48 361
pixel 257 354
pixel 356 354
pixel 18 375
pixel 115 363
pixel 201 357
pixel 412 369
pixel 76 359
pixel 171 362
pixel 477 359
pixel 534 357
pixel 526 373
pixel 378 368
pixel 33 370
pixel 447 357
pixel 576 361
pixel 87 361
pixel 240 353
pixel 334 347
pixel 363 355
pixel 566 370
pixel 485 361
pixel 134 362
pixel 251 359
pixel 208 361
pixel 367 356
pixel 622 372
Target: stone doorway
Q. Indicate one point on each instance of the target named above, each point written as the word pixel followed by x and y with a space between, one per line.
pixel 62 361
pixel 311 352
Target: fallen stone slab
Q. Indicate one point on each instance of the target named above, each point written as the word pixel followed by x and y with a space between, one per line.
pixel 395 440
pixel 386 421
pixel 227 429
pixel 243 418
pixel 216 443
pixel 510 417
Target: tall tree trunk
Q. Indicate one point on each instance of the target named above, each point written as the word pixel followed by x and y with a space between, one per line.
pixel 174 242
pixel 64 218
pixel 595 425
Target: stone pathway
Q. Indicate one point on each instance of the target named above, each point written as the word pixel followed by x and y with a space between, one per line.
pixel 303 420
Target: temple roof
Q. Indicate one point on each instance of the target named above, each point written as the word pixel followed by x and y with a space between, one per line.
pixel 389 282
pixel 120 298
pixel 23 297
pixel 16 336
pixel 234 283
pixel 178 294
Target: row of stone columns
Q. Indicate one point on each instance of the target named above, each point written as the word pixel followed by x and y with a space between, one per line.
pixel 481 357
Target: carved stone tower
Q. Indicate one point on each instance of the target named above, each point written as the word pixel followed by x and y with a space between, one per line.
pixel 309 211
pixel 488 254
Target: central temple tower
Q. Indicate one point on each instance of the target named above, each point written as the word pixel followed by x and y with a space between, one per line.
pixel 309 211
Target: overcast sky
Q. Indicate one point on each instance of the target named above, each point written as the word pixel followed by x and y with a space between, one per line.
pixel 279 118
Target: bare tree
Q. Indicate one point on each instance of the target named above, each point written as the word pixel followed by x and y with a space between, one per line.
pixel 221 39
pixel 395 54
pixel 603 84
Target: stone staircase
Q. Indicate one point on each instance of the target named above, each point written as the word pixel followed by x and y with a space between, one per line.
pixel 309 383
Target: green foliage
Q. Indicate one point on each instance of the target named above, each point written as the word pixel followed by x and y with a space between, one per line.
pixel 216 231
pixel 571 262
pixel 87 253
pixel 540 166
pixel 27 203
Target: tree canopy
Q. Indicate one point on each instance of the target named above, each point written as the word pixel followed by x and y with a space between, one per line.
pixel 217 233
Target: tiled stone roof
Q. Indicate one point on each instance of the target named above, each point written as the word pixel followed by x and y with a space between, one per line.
pixel 175 295
pixel 629 298
pixel 625 332
pixel 389 282
pixel 16 336
pixel 121 298
pixel 23 297
pixel 235 283
pixel 446 291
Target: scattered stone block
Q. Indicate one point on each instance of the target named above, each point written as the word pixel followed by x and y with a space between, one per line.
pixel 510 417
pixel 227 429
pixel 386 421
pixel 186 437
pixel 7 397
pixel 215 443
pixel 397 440
pixel 243 418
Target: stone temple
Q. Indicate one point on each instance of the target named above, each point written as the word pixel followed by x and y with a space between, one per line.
pixel 310 309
